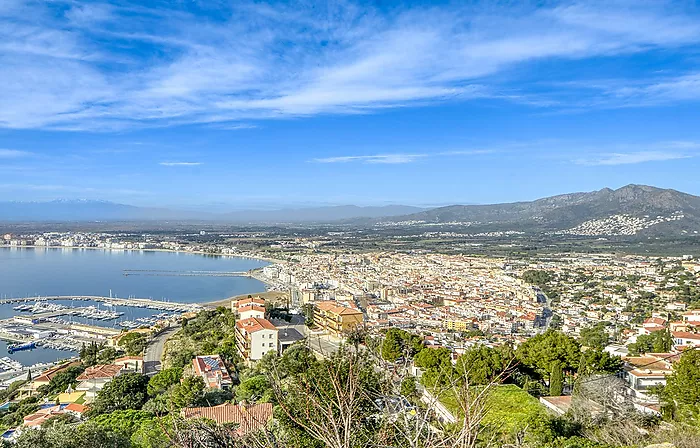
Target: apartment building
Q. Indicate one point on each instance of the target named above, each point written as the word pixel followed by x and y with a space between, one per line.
pixel 337 319
pixel 248 308
pixel 255 337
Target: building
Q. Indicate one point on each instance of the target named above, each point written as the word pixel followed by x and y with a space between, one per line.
pixel 245 418
pixel 337 319
pixel 131 363
pixel 213 371
pixel 255 337
pixel 94 378
pixel 250 307
pixel 287 337
pixel 643 372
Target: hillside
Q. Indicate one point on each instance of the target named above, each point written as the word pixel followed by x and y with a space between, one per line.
pixel 632 209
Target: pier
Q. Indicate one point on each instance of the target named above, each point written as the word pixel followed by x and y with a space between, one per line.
pixel 167 273
pixel 132 302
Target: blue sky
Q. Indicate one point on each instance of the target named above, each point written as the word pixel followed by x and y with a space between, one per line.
pixel 225 105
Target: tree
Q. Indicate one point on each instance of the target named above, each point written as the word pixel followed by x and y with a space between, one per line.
pixel 433 358
pixel 482 365
pixel 188 392
pixel 331 404
pixel 163 380
pixel 127 391
pixel 106 355
pixel 595 336
pixel 409 388
pixel 599 361
pixel 682 391
pixel 541 351
pixel 398 343
pixel 556 380
pixel 133 343
pixel 254 389
pixel 657 342
pixel 122 422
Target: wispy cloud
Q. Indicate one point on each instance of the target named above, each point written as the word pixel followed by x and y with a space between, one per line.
pixel 180 163
pixel 73 70
pixel 13 153
pixel 658 152
pixel 397 158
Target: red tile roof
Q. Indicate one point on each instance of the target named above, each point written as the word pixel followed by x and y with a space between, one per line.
pixel 248 418
pixel 253 324
pixel 100 371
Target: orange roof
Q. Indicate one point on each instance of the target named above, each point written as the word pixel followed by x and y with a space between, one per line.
pixel 685 335
pixel 129 358
pixel 251 307
pixel 253 301
pixel 333 307
pixel 250 418
pixel 253 324
pixel 75 407
pixel 46 376
pixel 100 371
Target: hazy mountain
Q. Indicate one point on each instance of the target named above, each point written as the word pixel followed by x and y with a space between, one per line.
pixel 320 214
pixel 89 210
pixel 680 211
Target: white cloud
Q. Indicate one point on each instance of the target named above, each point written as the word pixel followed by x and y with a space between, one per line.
pixel 398 158
pixel 656 152
pixel 373 159
pixel 180 163
pixel 77 71
pixel 13 153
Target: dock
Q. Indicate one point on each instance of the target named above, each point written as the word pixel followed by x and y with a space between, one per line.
pixel 132 302
pixel 168 273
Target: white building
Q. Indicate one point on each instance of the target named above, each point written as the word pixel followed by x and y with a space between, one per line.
pixel 255 337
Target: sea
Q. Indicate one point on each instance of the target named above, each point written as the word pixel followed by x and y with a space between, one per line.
pixel 30 272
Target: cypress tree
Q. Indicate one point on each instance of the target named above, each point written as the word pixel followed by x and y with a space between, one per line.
pixel 556 380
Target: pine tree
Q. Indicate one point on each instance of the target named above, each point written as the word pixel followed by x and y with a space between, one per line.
pixel 556 380
pixel 29 375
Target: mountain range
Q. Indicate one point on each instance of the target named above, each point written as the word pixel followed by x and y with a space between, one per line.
pixel 89 210
pixel 633 209
pixel 638 207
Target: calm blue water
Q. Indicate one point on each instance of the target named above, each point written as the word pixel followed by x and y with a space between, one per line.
pixel 53 271
pixel 31 272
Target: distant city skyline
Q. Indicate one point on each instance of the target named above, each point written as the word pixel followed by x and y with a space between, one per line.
pixel 280 105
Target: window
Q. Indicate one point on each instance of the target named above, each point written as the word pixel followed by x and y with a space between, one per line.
pixel 270 344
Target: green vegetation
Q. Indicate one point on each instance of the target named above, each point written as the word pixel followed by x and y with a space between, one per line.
pixel 133 343
pixel 210 332
pixel 656 342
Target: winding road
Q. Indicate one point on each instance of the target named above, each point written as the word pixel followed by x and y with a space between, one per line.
pixel 154 350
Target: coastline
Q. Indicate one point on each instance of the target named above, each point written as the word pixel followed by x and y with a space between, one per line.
pixel 216 302
pixel 197 252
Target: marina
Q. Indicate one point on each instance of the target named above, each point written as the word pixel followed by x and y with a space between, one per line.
pixel 59 299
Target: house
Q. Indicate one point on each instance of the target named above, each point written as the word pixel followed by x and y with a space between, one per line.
pixel 685 339
pixel 287 337
pixel 247 308
pixel 255 337
pixel 76 409
pixel 213 371
pixel 337 319
pixel 653 324
pixel 94 378
pixel 692 317
pixel 131 363
pixel 36 419
pixel 245 418
pixel 43 379
pixel 643 372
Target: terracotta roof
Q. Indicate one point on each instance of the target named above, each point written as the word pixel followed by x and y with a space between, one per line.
pixel 243 309
pixel 130 358
pixel 40 416
pixel 253 324
pixel 685 335
pixel 249 418
pixel 100 371
pixel 46 376
pixel 253 301
pixel 333 307
pixel 75 407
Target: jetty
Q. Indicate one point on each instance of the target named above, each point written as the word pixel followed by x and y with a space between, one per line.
pixel 115 301
pixel 171 273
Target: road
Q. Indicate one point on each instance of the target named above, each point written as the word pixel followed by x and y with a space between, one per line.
pixel 154 351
